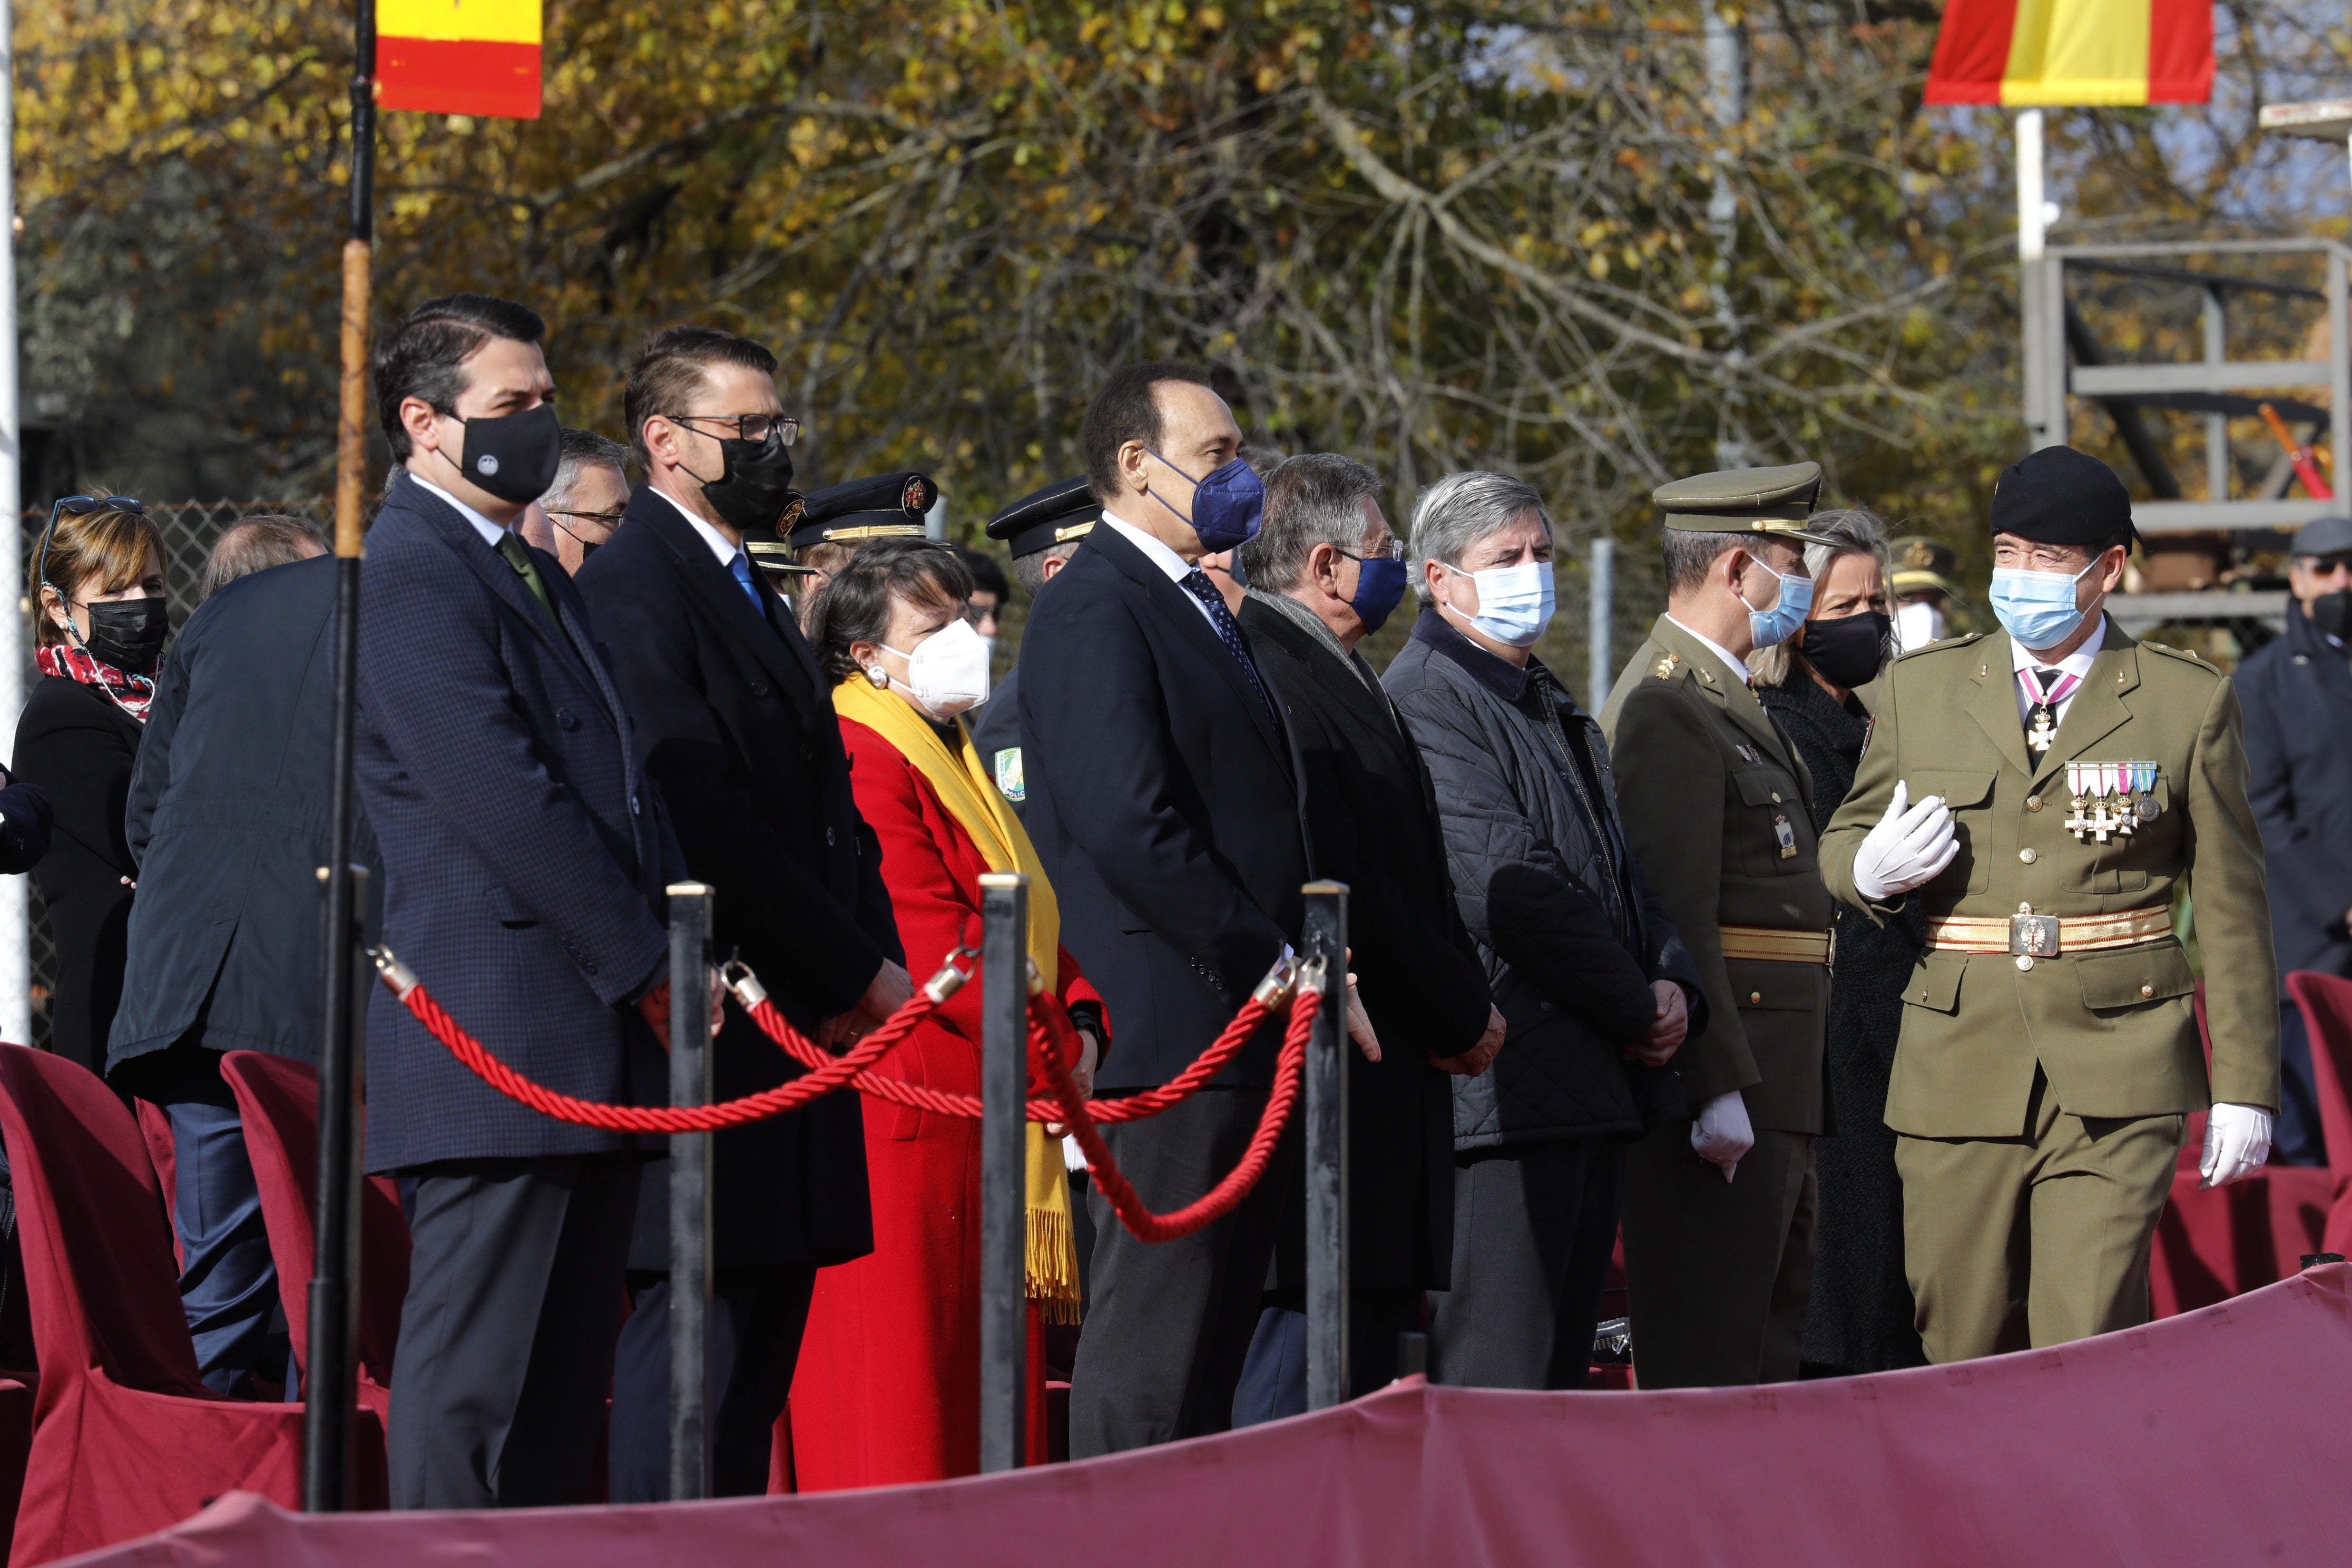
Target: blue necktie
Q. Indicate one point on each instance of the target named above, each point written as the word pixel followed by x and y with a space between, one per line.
pixel 1196 583
pixel 741 567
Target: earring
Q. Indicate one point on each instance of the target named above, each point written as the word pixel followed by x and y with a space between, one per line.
pixel 875 674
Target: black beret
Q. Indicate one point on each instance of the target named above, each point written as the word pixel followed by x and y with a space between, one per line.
pixel 1039 521
pixel 887 505
pixel 2060 496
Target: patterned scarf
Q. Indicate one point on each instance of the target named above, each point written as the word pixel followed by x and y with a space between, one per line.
pixel 132 693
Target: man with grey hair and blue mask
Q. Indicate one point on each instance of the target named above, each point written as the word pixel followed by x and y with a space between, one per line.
pixel 1720 1203
pixel 1594 987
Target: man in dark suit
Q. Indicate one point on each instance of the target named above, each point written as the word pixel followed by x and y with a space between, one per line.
pixel 1324 573
pixel 525 858
pixel 735 725
pixel 228 820
pixel 1164 804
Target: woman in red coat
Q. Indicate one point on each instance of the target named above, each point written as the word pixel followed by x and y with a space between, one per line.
pixel 887 1389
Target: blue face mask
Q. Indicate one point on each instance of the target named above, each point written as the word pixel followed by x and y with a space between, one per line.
pixel 1771 628
pixel 1379 587
pixel 1227 506
pixel 2037 608
pixel 1515 603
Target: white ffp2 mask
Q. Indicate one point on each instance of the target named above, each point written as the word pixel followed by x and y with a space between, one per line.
pixel 947 671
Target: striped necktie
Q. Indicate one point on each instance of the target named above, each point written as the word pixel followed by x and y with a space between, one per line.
pixel 1196 583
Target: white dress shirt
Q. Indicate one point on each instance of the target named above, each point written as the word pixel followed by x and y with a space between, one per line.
pixel 711 536
pixel 490 532
pixel 1731 662
pixel 1167 561
pixel 2077 664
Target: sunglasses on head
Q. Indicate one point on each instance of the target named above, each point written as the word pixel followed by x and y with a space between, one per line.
pixel 80 506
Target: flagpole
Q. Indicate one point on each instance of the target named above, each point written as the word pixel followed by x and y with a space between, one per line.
pixel 328 1436
pixel 2044 426
pixel 15 906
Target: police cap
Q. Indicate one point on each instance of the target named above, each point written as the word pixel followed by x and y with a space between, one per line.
pixel 1770 502
pixel 1060 513
pixel 887 505
pixel 2060 496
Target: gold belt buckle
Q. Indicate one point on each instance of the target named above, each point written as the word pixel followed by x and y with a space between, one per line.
pixel 2034 936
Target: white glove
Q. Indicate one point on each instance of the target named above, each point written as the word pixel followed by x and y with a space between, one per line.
pixel 2237 1142
pixel 1722 1133
pixel 1911 845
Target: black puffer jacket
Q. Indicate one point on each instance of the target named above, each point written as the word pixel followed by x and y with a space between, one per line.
pixel 1570 934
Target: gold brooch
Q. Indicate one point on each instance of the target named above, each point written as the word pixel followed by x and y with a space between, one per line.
pixel 1666 665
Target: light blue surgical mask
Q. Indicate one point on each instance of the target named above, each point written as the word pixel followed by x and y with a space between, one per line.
pixel 1769 628
pixel 2036 608
pixel 1515 603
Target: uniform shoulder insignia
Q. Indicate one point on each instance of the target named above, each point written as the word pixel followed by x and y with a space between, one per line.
pixel 1667 663
pixel 2182 654
pixel 1939 645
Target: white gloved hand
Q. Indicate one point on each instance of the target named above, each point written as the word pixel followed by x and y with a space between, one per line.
pixel 1910 846
pixel 1722 1133
pixel 2237 1142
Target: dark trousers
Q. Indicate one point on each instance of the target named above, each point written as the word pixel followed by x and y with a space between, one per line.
pixel 1274 1378
pixel 1169 1324
pixel 754 1339
pixel 2296 1137
pixel 228 1284
pixel 1534 1225
pixel 506 1339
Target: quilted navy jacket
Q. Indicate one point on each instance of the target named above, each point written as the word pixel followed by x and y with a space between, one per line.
pixel 524 853
pixel 1570 949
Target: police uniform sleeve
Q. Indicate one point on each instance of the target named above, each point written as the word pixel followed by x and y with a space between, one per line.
pixel 2234 922
pixel 1670 793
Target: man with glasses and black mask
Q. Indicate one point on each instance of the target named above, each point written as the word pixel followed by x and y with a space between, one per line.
pixel 525 857
pixel 736 726
pixel 577 515
pixel 2297 694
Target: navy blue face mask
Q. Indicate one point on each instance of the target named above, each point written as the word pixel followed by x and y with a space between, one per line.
pixel 1227 507
pixel 1379 588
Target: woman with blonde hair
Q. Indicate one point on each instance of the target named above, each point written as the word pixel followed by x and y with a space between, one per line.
pixel 99 631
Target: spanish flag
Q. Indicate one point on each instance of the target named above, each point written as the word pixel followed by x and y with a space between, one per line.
pixel 2074 53
pixel 458 57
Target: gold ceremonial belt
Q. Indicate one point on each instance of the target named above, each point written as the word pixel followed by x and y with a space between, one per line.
pixel 1778 946
pixel 2028 935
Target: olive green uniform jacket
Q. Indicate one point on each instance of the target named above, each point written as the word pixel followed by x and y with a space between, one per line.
pixel 2114 1030
pixel 1716 803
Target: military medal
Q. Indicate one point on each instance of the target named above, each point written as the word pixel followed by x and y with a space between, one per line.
pixel 2077 786
pixel 2043 732
pixel 1786 835
pixel 2144 785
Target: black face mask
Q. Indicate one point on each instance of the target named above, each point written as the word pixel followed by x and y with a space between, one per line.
pixel 1851 650
pixel 128 634
pixel 2331 613
pixel 757 480
pixel 514 457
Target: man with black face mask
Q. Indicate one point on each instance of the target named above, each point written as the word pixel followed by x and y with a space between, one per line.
pixel 2297 693
pixel 525 858
pixel 736 726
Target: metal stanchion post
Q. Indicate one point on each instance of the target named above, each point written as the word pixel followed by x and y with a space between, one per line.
pixel 1004 1198
pixel 1327 1150
pixel 690 1198
pixel 330 1437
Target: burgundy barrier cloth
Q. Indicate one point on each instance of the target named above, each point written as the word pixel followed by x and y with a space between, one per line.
pixel 2209 1437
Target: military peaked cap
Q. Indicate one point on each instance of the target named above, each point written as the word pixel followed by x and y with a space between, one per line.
pixel 1921 566
pixel 1042 519
pixel 1774 501
pixel 2060 496
pixel 887 505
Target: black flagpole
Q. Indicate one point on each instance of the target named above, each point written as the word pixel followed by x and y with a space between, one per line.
pixel 327 1435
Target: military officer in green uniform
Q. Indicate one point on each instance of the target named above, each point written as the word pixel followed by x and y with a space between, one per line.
pixel 2044 790
pixel 1719 1208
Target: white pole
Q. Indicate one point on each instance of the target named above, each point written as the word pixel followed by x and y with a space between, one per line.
pixel 15 915
pixel 2033 215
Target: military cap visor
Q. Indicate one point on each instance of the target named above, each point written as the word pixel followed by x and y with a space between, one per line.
pixel 1039 521
pixel 1774 502
pixel 1916 582
pixel 887 506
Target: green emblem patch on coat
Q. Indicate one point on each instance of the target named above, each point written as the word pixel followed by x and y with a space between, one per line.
pixel 1010 783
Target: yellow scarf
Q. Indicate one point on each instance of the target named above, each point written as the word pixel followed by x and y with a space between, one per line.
pixel 964 787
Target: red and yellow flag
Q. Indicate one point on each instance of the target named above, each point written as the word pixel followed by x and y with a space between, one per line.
pixel 458 57
pixel 2071 53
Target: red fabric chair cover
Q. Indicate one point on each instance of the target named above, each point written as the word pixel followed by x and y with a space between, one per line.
pixel 2326 1003
pixel 125 1439
pixel 155 1127
pixel 278 1100
pixel 2211 1246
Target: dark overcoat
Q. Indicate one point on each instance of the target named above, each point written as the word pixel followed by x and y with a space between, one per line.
pixel 2296 692
pixel 736 726
pixel 525 853
pixel 229 822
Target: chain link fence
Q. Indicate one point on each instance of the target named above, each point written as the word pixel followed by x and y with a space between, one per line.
pixel 190 530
